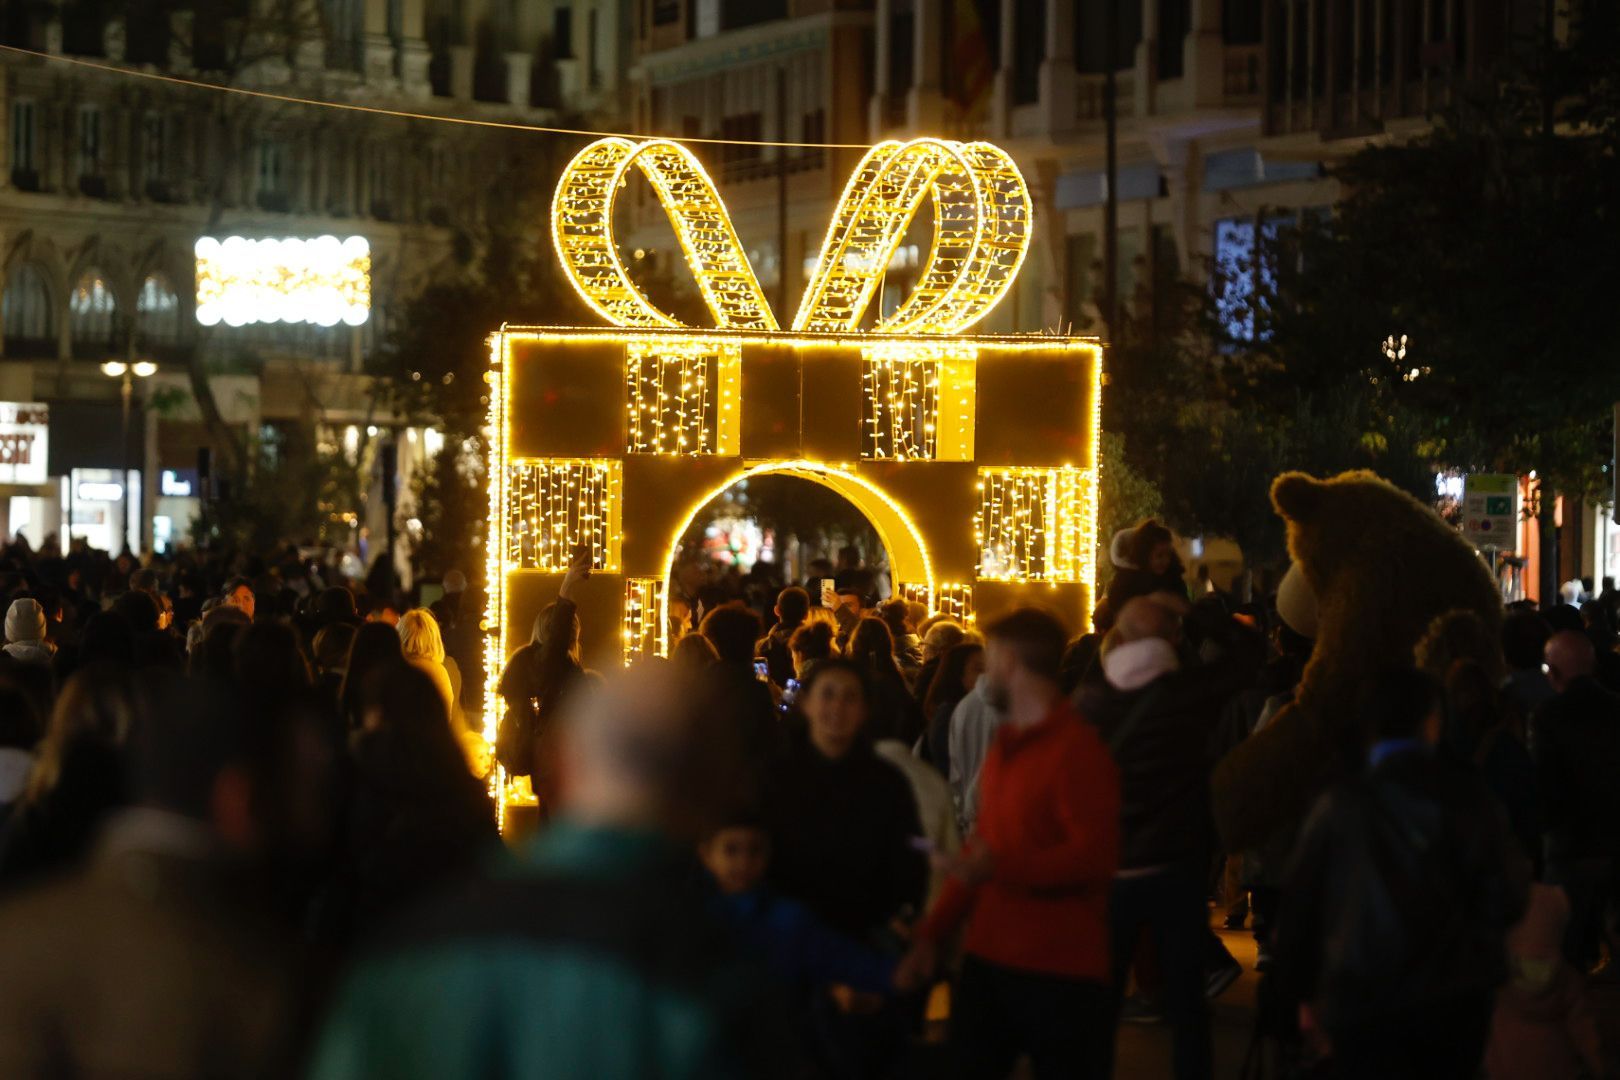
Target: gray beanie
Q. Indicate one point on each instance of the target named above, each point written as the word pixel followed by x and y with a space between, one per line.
pixel 25 621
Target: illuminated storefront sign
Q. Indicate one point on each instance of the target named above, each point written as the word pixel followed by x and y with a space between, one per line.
pixel 24 439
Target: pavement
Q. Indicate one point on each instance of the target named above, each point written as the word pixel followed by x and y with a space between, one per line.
pixel 1142 1051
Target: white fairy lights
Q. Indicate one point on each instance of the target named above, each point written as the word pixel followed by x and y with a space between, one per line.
pixel 919 401
pixel 554 505
pixel 643 618
pixel 1034 524
pixel 324 281
pixel 682 398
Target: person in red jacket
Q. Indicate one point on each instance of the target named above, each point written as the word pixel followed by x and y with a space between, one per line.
pixel 1033 882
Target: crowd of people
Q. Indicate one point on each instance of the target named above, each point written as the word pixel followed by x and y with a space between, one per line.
pixel 248 828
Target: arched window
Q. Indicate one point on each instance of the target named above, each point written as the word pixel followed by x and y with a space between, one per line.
pixel 27 310
pixel 92 310
pixel 157 312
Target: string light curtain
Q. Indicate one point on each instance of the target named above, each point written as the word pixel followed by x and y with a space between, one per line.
pixel 919 402
pixel 643 617
pixel 951 599
pixel 682 399
pixel 555 505
pixel 1035 524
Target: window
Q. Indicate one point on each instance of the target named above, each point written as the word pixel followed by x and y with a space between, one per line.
pixel 24 143
pixel 593 73
pixel 89 141
pixel 272 166
pixel 25 310
pixel 154 144
pixel 92 310
pixel 157 312
pixel 1082 275
pixel 562 33
pixel 272 176
pixel 666 12
pixel 739 160
pixel 1240 266
pixel 902 34
pixel 1029 48
pixel 1175 21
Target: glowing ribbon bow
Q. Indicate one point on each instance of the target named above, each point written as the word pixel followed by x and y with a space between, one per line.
pixel 982 219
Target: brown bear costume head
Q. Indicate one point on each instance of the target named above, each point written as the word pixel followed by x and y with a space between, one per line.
pixel 1382 566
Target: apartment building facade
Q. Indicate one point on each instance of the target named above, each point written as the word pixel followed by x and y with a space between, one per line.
pixel 110 180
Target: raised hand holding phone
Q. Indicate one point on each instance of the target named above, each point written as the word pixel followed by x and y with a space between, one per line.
pixel 579 569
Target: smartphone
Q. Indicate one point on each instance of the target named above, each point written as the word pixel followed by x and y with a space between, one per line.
pixel 583 558
pixel 829 592
pixel 762 669
pixel 789 693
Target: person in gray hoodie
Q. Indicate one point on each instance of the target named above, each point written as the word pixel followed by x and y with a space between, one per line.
pixel 25 633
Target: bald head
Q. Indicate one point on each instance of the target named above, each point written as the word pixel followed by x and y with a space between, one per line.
pixel 1569 656
pixel 1148 617
pixel 635 751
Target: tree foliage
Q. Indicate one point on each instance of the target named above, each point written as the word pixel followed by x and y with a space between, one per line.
pixel 1489 242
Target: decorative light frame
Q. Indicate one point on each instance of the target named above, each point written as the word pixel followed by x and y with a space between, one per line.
pixel 324 281
pixel 683 390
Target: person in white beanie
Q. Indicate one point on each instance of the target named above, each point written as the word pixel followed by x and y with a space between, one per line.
pixel 25 633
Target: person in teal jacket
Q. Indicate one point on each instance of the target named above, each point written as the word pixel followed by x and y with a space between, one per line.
pixel 593 953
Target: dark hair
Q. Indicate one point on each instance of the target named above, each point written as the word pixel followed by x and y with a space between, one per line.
pixel 178 748
pixel 837 665
pixel 20 725
pixel 107 637
pixel 139 610
pixel 1147 536
pixel 894 611
pixel 871 647
pixel 947 687
pixel 1524 636
pixel 331 646
pixel 813 641
pixel 792 605
pixel 693 652
pixel 267 660
pixel 733 630
pixel 375 647
pixel 413 740
pixel 335 604
pixel 144 580
pixel 1395 704
pixel 236 583
pixel 1035 637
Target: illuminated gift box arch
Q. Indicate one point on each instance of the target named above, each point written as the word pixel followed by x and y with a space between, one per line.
pixel 975 457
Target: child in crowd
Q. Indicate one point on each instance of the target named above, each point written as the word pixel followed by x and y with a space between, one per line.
pixel 1543 1028
pixel 797 947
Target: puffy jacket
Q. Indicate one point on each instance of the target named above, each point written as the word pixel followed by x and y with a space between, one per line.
pixel 1164 751
pixel 1575 743
pixel 1403 887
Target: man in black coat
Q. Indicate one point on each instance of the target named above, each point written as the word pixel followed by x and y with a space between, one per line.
pixel 1157 714
pixel 1575 744
pixel 1403 886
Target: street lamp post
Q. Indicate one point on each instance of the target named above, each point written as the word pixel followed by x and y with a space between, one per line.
pixel 127 371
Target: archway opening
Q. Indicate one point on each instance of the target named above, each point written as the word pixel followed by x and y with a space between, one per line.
pixel 792 523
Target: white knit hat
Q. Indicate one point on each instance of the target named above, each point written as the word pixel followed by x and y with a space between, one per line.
pixel 25 621
pixel 1296 603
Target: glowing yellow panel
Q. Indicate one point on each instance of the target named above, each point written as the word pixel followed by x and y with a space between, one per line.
pixel 553 505
pixel 1036 524
pixel 682 397
pixel 643 618
pixel 919 400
